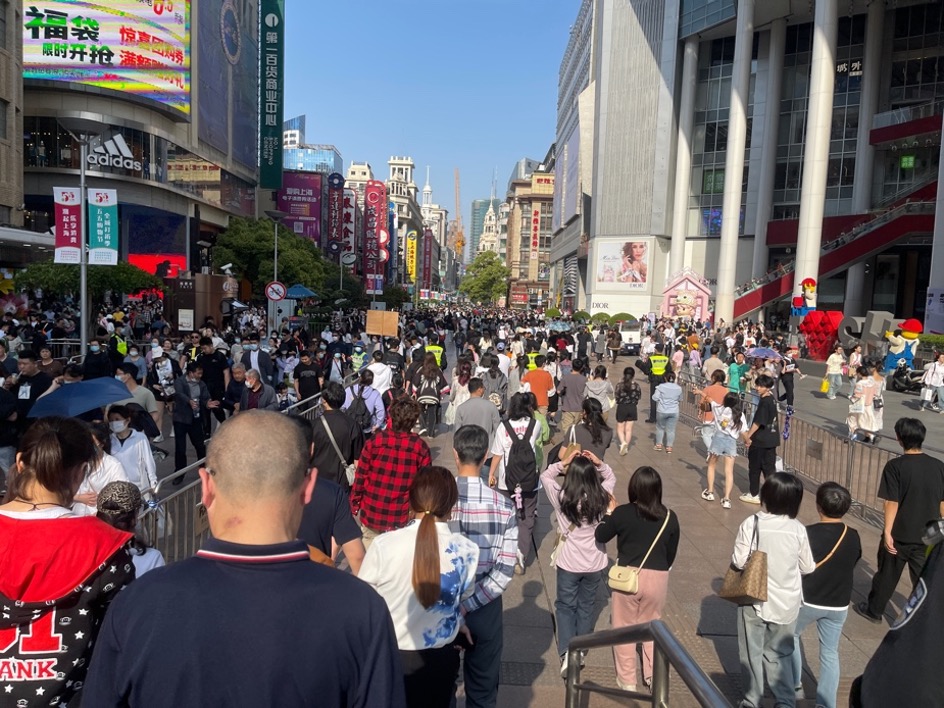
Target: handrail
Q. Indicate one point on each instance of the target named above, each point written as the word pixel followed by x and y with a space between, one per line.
pixel 668 651
pixel 907 189
pixel 907 114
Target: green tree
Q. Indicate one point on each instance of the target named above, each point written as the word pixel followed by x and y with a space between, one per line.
pixel 60 279
pixel 248 245
pixel 486 279
pixel 552 312
pixel 395 297
pixel 581 316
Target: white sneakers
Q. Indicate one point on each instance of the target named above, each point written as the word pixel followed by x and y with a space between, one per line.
pixel 708 495
pixel 749 498
pixel 623 448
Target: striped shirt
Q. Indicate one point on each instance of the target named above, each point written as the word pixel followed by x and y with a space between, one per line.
pixel 487 518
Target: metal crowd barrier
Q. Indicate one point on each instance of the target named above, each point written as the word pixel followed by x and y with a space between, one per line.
pixel 176 524
pixel 819 455
pixel 667 651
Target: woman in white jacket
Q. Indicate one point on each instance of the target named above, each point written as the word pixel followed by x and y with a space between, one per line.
pixel 106 469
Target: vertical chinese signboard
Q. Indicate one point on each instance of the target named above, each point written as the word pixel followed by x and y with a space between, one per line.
pixel 375 236
pixel 300 198
pixel 535 231
pixel 348 229
pixel 103 226
pixel 272 31
pixel 68 224
pixel 335 207
pixel 411 255
pixel 428 259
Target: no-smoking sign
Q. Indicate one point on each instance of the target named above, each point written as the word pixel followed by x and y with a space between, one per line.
pixel 275 291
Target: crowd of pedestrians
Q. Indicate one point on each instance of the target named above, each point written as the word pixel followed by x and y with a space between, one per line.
pixel 362 485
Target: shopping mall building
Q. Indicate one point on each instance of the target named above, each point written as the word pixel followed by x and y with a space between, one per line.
pixel 166 95
pixel 743 140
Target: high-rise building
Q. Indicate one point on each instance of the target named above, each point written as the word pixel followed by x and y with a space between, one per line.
pixel 477 224
pixel 807 151
pixel 358 175
pixel 529 240
pixel 11 115
pixel 297 154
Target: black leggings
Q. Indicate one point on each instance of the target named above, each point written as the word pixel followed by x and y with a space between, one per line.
pixel 429 676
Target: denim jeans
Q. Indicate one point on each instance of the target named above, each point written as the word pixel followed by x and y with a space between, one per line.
pixel 765 647
pixel 835 384
pixel 829 628
pixel 576 596
pixel 665 427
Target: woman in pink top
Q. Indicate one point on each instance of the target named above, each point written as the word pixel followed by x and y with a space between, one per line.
pixel 581 498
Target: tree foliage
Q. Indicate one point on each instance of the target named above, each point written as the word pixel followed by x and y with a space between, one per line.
pixel 601 318
pixel 486 279
pixel 581 316
pixel 552 312
pixel 248 245
pixel 62 280
pixel 622 317
pixel 395 297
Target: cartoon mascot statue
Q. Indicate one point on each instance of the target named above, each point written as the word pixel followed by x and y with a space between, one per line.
pixel 805 302
pixel 902 344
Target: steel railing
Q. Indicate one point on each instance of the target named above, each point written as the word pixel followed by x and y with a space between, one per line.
pixel 817 453
pixel 667 652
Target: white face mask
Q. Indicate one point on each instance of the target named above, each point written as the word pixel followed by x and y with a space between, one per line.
pixel 249 385
pixel 118 377
pixel 133 352
pixel 118 426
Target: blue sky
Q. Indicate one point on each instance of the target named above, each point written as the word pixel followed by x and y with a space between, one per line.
pixel 451 83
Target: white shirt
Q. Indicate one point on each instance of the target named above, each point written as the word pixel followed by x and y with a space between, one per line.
pixel 149 560
pixel 135 456
pixel 788 557
pixel 504 364
pixel 108 470
pixel 383 376
pixel 388 567
pixel 724 421
pixel 501 446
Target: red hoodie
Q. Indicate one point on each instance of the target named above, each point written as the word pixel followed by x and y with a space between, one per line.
pixel 57 577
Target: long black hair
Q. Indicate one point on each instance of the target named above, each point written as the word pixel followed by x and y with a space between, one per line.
pixel 582 496
pixel 733 401
pixel 593 419
pixel 645 491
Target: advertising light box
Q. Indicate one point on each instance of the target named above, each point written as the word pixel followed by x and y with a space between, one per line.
pixel 140 47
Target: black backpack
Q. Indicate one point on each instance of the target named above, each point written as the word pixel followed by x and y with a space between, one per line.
pixel 359 412
pixel 521 466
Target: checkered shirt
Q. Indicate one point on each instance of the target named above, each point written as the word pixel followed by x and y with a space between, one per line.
pixel 385 470
pixel 488 518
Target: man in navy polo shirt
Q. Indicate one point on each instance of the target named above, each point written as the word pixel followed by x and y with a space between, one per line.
pixel 250 620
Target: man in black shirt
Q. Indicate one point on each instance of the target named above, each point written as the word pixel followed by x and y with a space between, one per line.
pixel 764 437
pixel 308 376
pixel 329 526
pixel 271 628
pixel 27 386
pixel 393 358
pixel 347 436
pixel 913 489
pixel 215 367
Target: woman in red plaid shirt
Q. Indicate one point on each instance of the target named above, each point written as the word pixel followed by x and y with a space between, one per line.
pixel 385 470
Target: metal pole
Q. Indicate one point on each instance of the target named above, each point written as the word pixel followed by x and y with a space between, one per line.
pixel 660 677
pixel 275 253
pixel 83 256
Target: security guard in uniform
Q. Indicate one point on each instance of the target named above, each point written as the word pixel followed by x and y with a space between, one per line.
pixel 532 360
pixel 359 357
pixel 436 350
pixel 658 365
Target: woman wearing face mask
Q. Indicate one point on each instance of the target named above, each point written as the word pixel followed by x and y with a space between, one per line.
pixel 97 364
pixel 134 357
pixel 160 380
pixel 132 449
pixel 336 368
pixel 103 470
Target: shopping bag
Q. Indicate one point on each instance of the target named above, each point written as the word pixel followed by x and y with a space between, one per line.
pixel 927 394
pixel 824 385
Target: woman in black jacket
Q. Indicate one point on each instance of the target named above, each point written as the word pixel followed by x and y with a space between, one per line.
pixel 642 524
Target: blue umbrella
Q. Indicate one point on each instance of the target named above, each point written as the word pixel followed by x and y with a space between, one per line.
pixel 763 353
pixel 74 399
pixel 299 292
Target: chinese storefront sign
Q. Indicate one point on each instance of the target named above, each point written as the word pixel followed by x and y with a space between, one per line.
pixel 136 47
pixel 535 233
pixel 272 31
pixel 349 229
pixel 428 259
pixel 375 236
pixel 103 226
pixel 335 207
pixel 411 255
pixel 68 224
pixel 300 198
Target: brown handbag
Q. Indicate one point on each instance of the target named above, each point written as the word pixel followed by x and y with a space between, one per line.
pixel 747 585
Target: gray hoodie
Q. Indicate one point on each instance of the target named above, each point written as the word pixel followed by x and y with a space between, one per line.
pixel 602 390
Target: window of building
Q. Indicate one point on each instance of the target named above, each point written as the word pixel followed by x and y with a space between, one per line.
pixel 4 111
pixel 4 11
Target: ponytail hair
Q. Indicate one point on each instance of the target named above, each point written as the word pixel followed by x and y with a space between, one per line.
pixel 55 454
pixel 433 494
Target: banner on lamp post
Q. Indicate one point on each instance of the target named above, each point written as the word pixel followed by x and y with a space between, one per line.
pixel 102 226
pixel 348 229
pixel 428 259
pixel 376 237
pixel 68 225
pixel 335 208
pixel 271 91
pixel 411 237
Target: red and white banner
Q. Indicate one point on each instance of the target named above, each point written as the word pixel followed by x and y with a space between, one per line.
pixel 335 209
pixel 535 233
pixel 376 237
pixel 68 224
pixel 428 259
pixel 348 230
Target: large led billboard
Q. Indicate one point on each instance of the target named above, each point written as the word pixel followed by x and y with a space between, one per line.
pixel 133 46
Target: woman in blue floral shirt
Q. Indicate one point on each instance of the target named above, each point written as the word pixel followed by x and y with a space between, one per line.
pixel 423 571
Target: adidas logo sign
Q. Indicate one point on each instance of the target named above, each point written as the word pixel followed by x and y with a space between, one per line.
pixel 114 153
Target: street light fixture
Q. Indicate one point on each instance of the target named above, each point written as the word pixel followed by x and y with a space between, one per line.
pixel 82 130
pixel 276 216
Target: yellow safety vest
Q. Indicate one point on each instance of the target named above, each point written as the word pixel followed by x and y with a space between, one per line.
pixel 659 362
pixel 121 345
pixel 531 363
pixel 436 351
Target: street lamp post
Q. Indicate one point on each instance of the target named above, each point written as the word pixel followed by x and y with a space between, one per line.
pixel 82 131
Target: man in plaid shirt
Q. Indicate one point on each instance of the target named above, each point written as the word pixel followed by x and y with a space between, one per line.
pixel 487 517
pixel 385 470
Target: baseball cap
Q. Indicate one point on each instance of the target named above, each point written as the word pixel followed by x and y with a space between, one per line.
pixel 500 346
pixel 119 498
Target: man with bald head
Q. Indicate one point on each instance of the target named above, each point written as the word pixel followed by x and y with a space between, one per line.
pixel 250 620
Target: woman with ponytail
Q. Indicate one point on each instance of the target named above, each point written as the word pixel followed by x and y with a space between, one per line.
pixel 424 602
